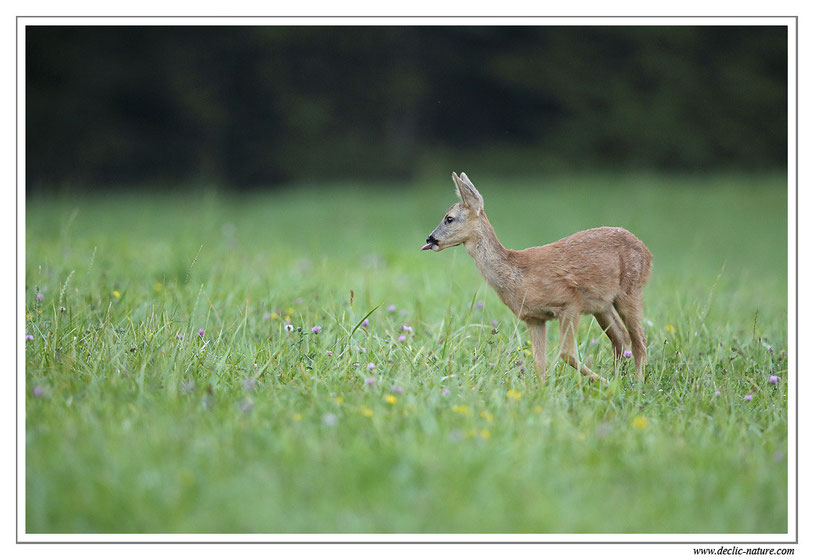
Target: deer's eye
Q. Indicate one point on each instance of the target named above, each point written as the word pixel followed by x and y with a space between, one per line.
pixel 450 219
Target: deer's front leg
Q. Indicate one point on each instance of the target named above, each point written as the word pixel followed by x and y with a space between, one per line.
pixel 569 320
pixel 537 332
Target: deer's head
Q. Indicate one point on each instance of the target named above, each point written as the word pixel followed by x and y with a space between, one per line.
pixel 461 220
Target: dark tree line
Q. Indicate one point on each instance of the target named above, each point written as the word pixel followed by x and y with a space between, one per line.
pixel 256 106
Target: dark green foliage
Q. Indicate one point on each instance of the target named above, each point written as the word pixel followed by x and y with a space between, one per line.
pixel 256 106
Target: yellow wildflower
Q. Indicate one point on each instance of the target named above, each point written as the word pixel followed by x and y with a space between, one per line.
pixel 462 409
pixel 488 416
pixel 670 329
pixel 365 411
pixel 116 294
pixel 289 310
pixel 391 399
pixel 512 394
pixel 640 422
pixel 296 416
pixel 288 318
pixel 274 315
pixel 158 286
pixel 485 434
pixel 339 400
pixel 538 409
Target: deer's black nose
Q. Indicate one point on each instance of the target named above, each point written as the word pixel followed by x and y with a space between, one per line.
pixel 432 240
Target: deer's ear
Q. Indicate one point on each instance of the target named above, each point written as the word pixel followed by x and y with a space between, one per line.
pixel 457 181
pixel 467 192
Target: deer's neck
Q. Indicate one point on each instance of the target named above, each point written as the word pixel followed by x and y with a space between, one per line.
pixel 491 258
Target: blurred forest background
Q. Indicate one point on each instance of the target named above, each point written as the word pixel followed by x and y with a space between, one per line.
pixel 247 107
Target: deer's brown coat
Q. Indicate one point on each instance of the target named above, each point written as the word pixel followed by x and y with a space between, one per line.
pixel 600 271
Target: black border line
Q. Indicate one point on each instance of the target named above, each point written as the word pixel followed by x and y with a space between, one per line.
pixel 17 280
pixel 689 543
pixel 459 18
pixel 796 277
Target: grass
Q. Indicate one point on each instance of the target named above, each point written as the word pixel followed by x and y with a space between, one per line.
pixel 136 423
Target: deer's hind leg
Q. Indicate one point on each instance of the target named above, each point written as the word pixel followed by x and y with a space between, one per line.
pixel 569 320
pixel 629 307
pixel 612 326
pixel 620 326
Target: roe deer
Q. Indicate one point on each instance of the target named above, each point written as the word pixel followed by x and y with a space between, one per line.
pixel 601 271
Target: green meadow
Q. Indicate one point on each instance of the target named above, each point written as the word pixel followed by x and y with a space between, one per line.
pixel 174 382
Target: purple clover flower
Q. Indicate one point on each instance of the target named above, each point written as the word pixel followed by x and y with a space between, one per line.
pixel 391 308
pixel 370 381
pixel 317 329
pixel 40 297
pixel 773 379
pixel 406 328
pixel 29 337
pixel 38 391
pixel 627 354
pixel 479 304
pixel 371 366
pixel 401 338
pixel 201 332
pixel 365 323
pixel 396 389
pixel 329 353
pixel 446 391
pixel 748 397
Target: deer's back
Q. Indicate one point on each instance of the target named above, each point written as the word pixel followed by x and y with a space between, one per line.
pixel 592 266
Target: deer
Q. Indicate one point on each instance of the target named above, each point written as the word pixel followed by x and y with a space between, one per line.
pixel 600 272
